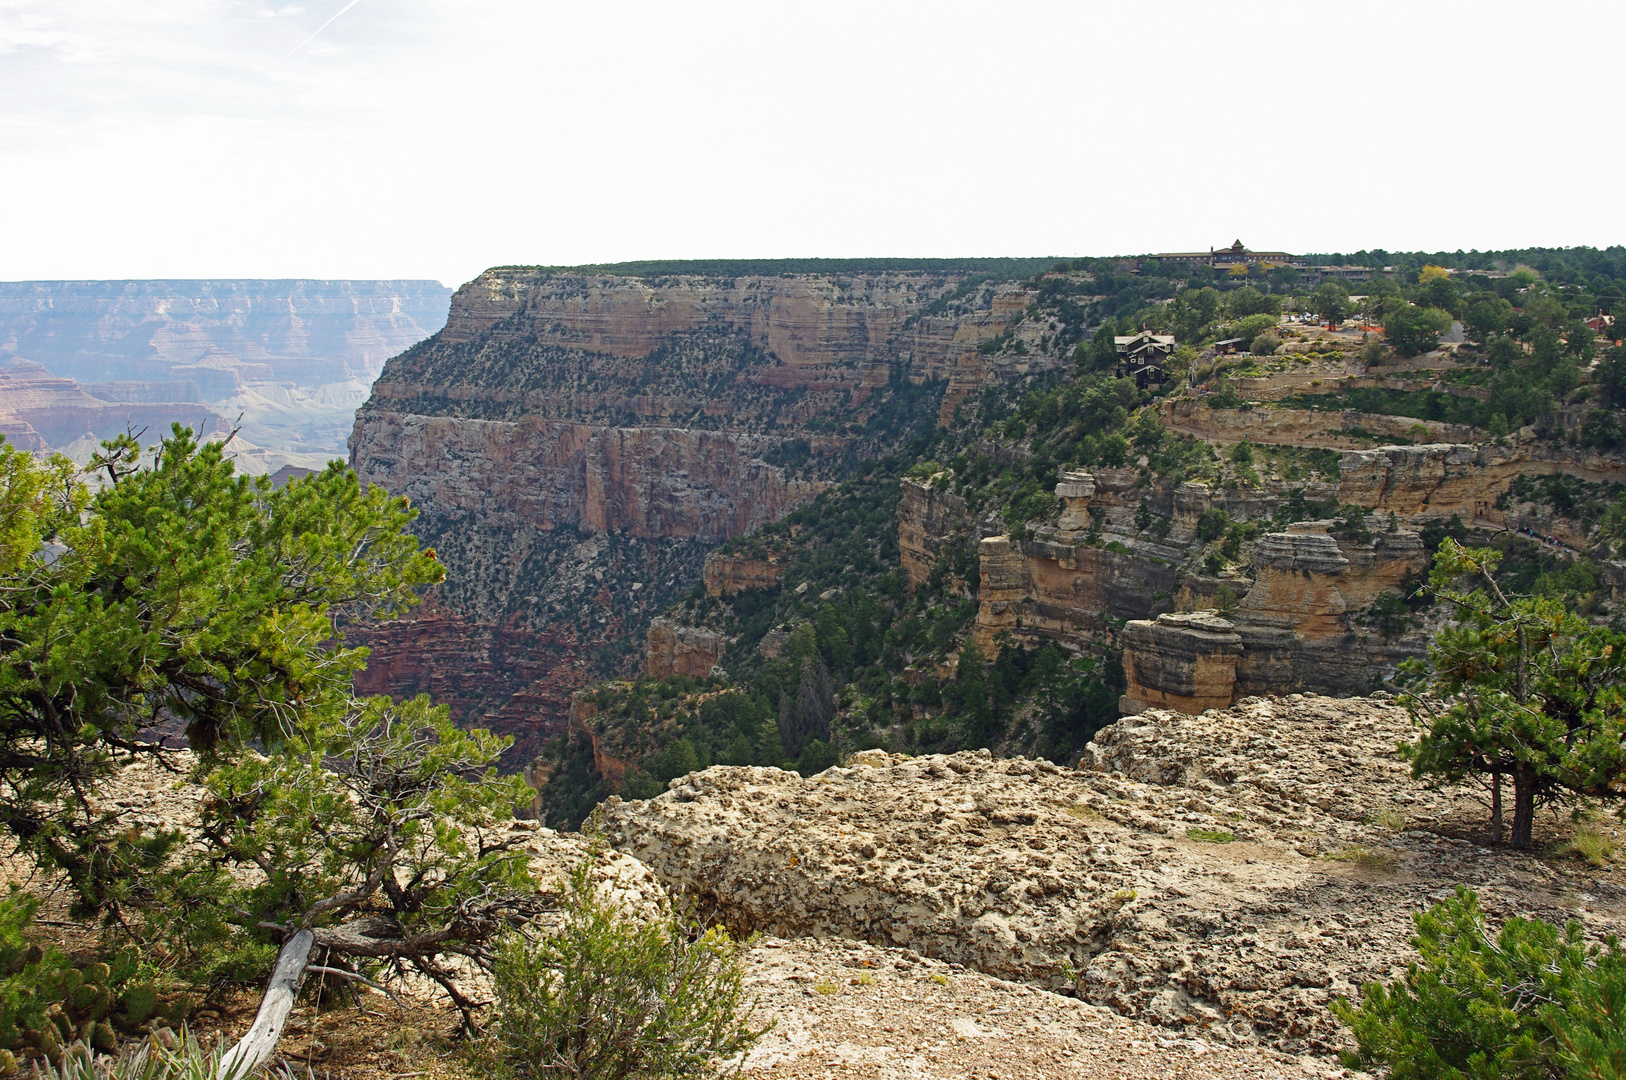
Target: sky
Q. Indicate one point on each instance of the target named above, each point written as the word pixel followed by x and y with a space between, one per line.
pixel 435 138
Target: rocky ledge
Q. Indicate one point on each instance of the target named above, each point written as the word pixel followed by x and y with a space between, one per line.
pixel 1223 875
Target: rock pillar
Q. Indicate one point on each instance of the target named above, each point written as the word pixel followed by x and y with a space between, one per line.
pixel 1076 490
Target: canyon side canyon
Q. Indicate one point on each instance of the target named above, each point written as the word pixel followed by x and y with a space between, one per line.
pixel 579 443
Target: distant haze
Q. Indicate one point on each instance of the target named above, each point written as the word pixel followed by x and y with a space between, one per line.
pixel 433 138
pixel 287 362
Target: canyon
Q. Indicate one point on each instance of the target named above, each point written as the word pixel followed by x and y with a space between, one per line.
pixel 590 449
pixel 575 443
pixel 285 363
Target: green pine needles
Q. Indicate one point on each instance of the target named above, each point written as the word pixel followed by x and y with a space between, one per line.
pixel 1532 1002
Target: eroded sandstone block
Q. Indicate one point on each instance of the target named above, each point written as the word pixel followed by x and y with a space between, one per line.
pixel 1076 490
pixel 928 519
pixel 725 575
pixel 671 649
pixel 1184 661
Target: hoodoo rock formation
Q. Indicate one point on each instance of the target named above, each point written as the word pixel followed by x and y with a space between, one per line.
pixel 576 442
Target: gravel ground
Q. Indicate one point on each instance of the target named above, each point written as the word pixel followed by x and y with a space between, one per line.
pixel 844 1008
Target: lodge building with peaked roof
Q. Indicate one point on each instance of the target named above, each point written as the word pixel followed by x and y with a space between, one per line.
pixel 1226 258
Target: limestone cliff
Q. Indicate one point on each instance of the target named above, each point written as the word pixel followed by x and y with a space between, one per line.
pixel 575 442
pixel 727 573
pixel 1095 579
pixel 671 649
pixel 930 520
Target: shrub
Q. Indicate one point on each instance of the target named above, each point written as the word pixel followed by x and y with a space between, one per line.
pixel 1254 326
pixel 603 996
pixel 1265 345
pixel 1211 525
pixel 1531 1002
pixel 1210 836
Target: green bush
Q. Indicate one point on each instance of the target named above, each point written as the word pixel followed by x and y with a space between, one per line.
pixel 1265 345
pixel 604 996
pixel 1532 1002
pixel 1254 326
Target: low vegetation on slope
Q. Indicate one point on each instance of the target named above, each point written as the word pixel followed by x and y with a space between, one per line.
pixel 840 653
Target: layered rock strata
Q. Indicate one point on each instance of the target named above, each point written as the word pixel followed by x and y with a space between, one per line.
pixel 671 649
pixel 728 574
pixel 641 421
pixel 1299 620
pixel 39 411
pixel 1297 627
pixel 1215 874
pixel 1182 661
pixel 1040 589
pixel 930 520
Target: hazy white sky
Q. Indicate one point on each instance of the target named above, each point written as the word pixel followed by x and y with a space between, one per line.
pixel 433 138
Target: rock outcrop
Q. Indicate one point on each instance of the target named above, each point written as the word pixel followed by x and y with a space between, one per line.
pixel 1048 589
pixel 681 650
pixel 847 1008
pixel 930 519
pixel 1223 875
pixel 1299 626
pixel 575 442
pixel 1183 661
pixel 728 574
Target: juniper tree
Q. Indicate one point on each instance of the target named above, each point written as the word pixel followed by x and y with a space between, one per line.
pixel 1516 687
pixel 180 595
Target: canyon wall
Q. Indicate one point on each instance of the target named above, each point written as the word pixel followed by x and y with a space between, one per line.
pixel 576 443
pixel 1300 618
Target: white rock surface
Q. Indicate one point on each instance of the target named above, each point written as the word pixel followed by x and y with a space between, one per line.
pixel 1100 881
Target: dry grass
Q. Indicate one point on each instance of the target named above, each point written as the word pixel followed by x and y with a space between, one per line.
pixel 1594 841
pixel 1388 817
pixel 1085 813
pixel 1366 858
